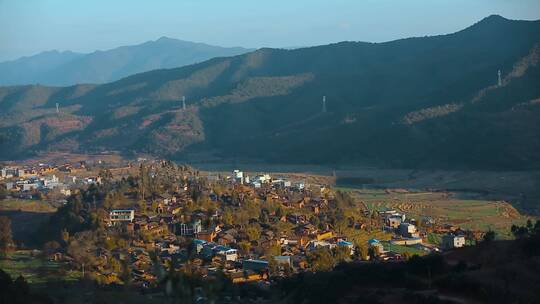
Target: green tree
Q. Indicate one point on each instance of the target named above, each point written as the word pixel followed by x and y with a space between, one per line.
pixel 227 216
pixel 263 217
pixel 279 212
pixel 253 232
pixel 362 251
pixel 6 237
pixel 321 260
pixel 3 192
pixel 273 250
pixel 342 254
pixel 489 236
pixel 244 247
pixel 142 207
pixel 126 273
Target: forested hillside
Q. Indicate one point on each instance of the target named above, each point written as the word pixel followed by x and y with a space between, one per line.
pixel 418 102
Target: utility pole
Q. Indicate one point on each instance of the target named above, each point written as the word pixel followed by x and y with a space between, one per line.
pixel 183 102
pixel 500 80
pixel 57 110
pixel 324 104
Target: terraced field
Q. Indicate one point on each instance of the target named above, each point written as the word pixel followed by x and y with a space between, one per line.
pixel 465 210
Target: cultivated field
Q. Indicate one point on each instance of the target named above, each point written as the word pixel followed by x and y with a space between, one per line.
pixel 459 209
pixel 35 269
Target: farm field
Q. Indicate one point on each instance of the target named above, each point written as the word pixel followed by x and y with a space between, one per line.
pixel 35 269
pixel 403 249
pixel 459 209
pixel 520 188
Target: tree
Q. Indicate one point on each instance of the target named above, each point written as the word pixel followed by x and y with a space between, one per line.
pixel 141 207
pixel 50 247
pixel 519 232
pixel 314 220
pixel 6 237
pixel 263 217
pixel 244 247
pixel 3 192
pixel 227 216
pixel 65 236
pixel 489 236
pixel 342 254
pixel 21 286
pixel 125 276
pixel 273 250
pixel 362 251
pixel 279 212
pixel 321 260
pixel 372 252
pixel 253 232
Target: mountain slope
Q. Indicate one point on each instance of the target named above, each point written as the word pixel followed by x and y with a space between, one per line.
pixel 67 68
pixel 31 69
pixel 418 102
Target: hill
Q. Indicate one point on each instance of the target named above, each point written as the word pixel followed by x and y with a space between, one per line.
pixel 428 102
pixel 68 68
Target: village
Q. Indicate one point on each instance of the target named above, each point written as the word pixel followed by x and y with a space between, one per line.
pixel 247 227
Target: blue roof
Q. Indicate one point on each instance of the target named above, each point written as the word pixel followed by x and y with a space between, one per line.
pixel 222 248
pixel 344 243
pixel 199 242
pixel 373 241
pixel 256 261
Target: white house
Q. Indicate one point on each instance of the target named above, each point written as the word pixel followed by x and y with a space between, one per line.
pixel 408 230
pixel 238 176
pixel 190 228
pixel 453 241
pixel 122 216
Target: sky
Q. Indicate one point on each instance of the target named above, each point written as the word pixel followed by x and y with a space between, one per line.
pixel 28 27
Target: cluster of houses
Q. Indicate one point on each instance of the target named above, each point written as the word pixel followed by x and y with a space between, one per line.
pixel 258 181
pixel 35 183
pixel 218 246
pixel 406 232
pixel 166 226
pixel 23 181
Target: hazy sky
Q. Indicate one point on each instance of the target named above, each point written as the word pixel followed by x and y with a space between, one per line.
pixel 31 26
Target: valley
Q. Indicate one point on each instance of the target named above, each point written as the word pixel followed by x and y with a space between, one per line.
pixel 402 171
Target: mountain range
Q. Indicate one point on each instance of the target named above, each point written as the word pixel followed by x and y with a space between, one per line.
pixel 426 102
pixel 68 68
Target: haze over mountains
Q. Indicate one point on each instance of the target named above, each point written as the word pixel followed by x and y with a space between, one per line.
pixel 68 68
pixel 420 102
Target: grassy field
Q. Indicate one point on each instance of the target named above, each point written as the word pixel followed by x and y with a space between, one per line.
pixel 446 207
pixel 403 249
pixel 26 205
pixel 35 269
pixel 26 216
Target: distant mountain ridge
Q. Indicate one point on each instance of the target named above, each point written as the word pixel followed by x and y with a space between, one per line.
pixel 69 68
pixel 427 102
